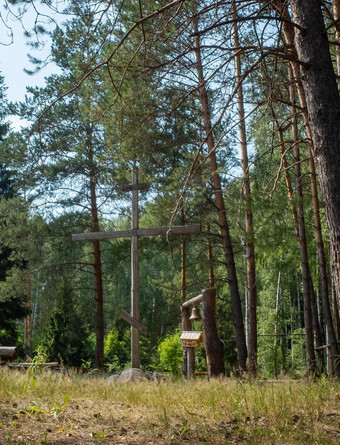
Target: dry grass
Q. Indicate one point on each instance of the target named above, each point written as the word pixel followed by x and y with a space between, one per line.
pixel 217 412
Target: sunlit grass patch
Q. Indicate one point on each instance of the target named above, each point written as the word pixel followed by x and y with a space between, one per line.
pixel 87 407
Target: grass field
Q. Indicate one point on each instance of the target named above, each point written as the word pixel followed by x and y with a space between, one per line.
pixel 54 408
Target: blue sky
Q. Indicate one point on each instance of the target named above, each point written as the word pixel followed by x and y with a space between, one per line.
pixel 14 59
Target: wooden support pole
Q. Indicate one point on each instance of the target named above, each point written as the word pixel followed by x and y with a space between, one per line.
pixel 186 326
pixel 190 362
pixel 213 345
pixel 135 312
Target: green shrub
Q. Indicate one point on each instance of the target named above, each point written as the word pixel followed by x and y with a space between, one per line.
pixel 116 350
pixel 170 354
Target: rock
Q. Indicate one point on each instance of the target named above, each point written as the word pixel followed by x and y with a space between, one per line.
pixel 113 378
pixel 158 377
pixel 132 375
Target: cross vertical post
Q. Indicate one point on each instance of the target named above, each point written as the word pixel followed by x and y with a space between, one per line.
pixel 135 311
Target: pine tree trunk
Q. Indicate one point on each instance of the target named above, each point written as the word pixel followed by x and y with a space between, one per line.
pixel 28 318
pixel 97 266
pixel 302 240
pixel 299 225
pixel 249 241
pixel 323 105
pixel 317 330
pixel 185 312
pixel 222 217
pixel 277 305
pixel 336 13
pixel 289 33
pixel 210 259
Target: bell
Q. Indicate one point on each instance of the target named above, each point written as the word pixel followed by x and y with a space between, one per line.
pixel 195 314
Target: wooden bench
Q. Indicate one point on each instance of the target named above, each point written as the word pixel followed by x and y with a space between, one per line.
pixel 50 365
pixel 8 353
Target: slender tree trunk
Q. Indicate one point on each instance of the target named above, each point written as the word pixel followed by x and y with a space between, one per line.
pixel 302 237
pixel 97 266
pixel 28 318
pixel 277 303
pixel 222 217
pixel 289 33
pixel 299 225
pixel 317 329
pixel 249 241
pixel 210 259
pixel 185 312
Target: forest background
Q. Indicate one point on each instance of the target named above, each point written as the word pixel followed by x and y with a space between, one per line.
pixel 205 99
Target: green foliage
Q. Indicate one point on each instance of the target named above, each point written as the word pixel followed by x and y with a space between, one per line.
pixel 116 350
pixel 35 369
pixel 58 409
pixel 67 338
pixel 171 354
pixel 14 252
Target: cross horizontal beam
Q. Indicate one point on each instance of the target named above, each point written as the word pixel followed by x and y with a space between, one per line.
pixel 175 230
pixel 133 322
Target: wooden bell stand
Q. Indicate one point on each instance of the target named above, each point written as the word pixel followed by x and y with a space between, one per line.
pixel 192 339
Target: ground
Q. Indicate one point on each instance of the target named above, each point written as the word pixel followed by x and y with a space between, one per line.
pixel 65 410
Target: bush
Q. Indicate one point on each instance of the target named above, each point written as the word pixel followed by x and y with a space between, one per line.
pixel 171 354
pixel 116 350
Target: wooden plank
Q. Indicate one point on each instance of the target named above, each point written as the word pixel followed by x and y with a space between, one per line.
pixel 193 302
pixel 127 317
pixel 175 230
pixel 141 186
pixel 28 364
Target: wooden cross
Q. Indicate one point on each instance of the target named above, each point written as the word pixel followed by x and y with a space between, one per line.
pixel 134 234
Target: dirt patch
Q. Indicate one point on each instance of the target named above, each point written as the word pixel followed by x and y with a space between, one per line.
pixel 84 424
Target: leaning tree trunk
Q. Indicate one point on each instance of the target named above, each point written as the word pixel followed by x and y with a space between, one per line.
pixel 289 34
pixel 236 307
pixel 299 225
pixel 249 241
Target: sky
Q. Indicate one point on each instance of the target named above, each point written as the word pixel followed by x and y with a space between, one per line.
pixel 14 59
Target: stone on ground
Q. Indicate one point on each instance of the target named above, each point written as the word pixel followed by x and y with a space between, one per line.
pixel 132 375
